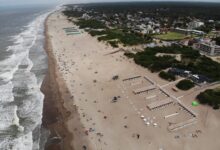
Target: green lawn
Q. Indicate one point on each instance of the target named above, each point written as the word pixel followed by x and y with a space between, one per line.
pixel 171 36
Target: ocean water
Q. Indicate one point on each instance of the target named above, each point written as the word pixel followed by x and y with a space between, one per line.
pixel 23 65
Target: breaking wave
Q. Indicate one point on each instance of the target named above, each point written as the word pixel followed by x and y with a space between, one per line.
pixel 21 101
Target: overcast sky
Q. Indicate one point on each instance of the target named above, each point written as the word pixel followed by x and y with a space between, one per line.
pixel 22 2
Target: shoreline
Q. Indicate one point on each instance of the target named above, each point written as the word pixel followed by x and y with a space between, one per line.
pixel 54 114
pixel 58 107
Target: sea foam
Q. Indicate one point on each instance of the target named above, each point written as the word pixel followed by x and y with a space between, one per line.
pixel 21 101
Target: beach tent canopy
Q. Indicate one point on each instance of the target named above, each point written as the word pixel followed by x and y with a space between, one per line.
pixel 195 103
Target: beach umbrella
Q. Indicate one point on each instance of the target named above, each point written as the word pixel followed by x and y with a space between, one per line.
pixel 155 124
pixel 195 103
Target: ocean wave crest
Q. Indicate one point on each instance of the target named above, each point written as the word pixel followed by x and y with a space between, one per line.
pixel 21 101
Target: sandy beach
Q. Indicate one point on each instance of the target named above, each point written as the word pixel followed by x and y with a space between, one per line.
pixel 85 109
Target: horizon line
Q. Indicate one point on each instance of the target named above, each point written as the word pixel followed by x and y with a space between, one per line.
pixel 148 1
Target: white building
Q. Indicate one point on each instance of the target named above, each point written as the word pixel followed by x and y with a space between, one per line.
pixel 188 31
pixel 157 30
pixel 86 16
pixel 195 24
pixel 210 49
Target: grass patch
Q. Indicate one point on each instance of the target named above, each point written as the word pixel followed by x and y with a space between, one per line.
pixel 171 36
pixel 185 85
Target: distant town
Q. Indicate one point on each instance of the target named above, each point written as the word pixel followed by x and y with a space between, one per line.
pixel 159 26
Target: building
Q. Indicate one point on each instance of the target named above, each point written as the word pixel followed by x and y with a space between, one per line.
pixel 196 78
pixel 215 34
pixel 195 24
pixel 210 49
pixel 86 16
pixel 200 79
pixel 188 31
pixel 179 72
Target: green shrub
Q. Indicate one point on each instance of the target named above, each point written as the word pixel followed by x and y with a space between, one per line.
pixel 94 24
pixel 113 43
pixel 95 33
pixel 167 76
pixel 185 85
pixel 123 37
pixel 72 13
pixel 217 40
pixel 129 55
pixel 190 60
pixel 154 63
pixel 131 39
pixel 210 97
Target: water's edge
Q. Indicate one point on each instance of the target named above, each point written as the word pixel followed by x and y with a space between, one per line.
pixel 54 113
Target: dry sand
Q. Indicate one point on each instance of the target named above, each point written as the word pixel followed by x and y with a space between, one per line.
pixel 79 91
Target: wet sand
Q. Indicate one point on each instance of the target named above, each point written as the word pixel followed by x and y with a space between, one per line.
pixel 57 109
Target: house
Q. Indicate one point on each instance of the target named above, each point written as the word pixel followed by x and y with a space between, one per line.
pixel 196 78
pixel 195 24
pixel 179 72
pixel 211 21
pixel 199 79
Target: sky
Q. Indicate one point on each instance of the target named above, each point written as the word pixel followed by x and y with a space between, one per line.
pixel 28 2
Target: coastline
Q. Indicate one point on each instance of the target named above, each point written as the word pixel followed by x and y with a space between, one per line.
pixel 58 106
pixel 54 113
